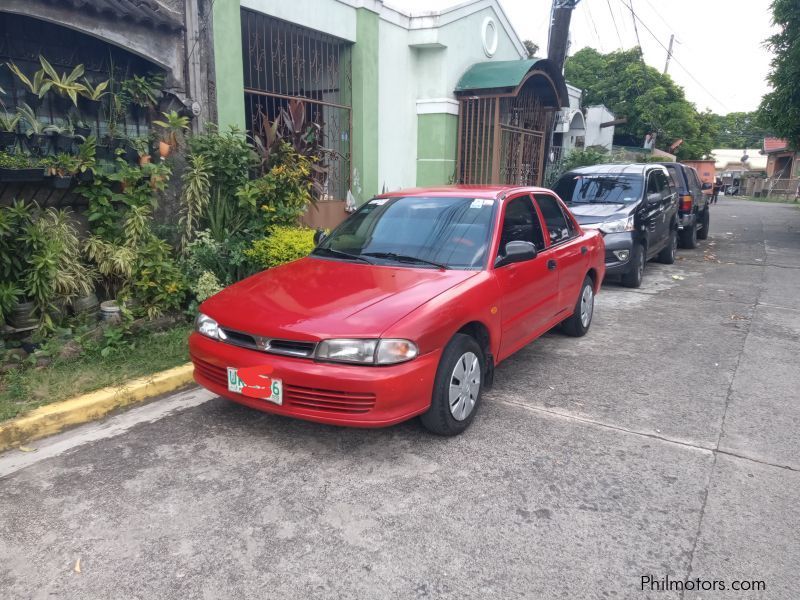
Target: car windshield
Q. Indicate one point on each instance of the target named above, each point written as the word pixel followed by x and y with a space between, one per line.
pixel 599 188
pixel 442 232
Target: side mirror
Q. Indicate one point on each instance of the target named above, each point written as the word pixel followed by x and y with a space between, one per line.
pixel 654 198
pixel 706 186
pixel 319 236
pixel 516 251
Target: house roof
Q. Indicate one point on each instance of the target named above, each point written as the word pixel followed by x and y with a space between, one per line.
pixel 773 144
pixel 509 74
pixel 145 12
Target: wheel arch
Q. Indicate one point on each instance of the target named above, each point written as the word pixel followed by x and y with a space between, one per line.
pixel 481 334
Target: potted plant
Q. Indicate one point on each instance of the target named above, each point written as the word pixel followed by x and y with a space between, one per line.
pixel 142 91
pixel 8 130
pixel 173 125
pixel 67 86
pixel 38 86
pixel 62 137
pixel 142 147
pixel 87 159
pixel 36 137
pixel 61 168
pixel 20 168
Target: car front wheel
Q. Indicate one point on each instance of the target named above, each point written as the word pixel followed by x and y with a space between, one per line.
pixel 457 387
pixel 633 278
pixel 578 324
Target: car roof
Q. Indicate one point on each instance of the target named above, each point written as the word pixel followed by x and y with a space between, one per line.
pixel 459 191
pixel 615 169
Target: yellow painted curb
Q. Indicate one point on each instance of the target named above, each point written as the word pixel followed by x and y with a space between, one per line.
pixel 52 418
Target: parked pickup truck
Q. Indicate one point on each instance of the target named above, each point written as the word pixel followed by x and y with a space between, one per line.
pixel 693 214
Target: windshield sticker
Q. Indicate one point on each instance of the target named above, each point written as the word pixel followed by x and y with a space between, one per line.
pixel 379 201
pixel 480 203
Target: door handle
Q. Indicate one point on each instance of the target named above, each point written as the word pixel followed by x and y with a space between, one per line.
pixel 551 264
pixel 584 249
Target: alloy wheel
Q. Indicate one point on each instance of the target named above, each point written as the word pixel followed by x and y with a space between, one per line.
pixel 587 306
pixel 465 385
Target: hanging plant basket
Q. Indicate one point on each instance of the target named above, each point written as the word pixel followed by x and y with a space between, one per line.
pixel 61 182
pixel 164 149
pixel 84 132
pixel 86 176
pixel 63 142
pixel 22 175
pixel 7 138
pixel 104 152
pixel 37 143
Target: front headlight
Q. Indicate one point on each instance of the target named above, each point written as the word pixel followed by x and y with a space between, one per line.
pixel 207 326
pixel 618 226
pixel 367 352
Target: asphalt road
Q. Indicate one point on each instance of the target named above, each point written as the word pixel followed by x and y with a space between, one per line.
pixel 664 443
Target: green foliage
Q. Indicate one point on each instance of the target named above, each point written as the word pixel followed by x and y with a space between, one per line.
pixel 284 244
pixel 195 195
pixel 14 251
pixel 9 296
pixel 650 100
pixel 584 158
pixel 39 85
pixel 66 85
pixel 780 109
pixel 739 130
pixel 20 161
pixel 226 260
pixel 8 122
pixel 174 126
pixel 230 158
pixel 92 92
pixel 206 286
pixel 143 91
pixel 284 192
pixel 27 115
pixel 531 48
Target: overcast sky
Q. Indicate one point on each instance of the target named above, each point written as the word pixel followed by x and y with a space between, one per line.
pixel 719 42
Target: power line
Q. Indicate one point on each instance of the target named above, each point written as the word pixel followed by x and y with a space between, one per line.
pixel 614 19
pixel 677 62
pixel 635 28
pixel 588 14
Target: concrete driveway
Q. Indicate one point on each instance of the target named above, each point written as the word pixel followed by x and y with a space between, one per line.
pixel 666 443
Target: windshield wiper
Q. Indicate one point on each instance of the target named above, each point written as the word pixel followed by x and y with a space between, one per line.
pixel 345 255
pixel 405 258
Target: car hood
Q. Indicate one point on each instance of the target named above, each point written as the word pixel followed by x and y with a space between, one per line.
pixel 315 298
pixel 599 212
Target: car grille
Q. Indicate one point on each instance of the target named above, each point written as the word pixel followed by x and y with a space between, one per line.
pixel 329 401
pixel 269 345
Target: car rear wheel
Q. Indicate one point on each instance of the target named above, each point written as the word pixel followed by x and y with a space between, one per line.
pixel 633 278
pixel 457 387
pixel 706 221
pixel 667 255
pixel 689 236
pixel 580 321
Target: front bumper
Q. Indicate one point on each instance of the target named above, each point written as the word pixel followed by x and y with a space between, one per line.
pixel 618 243
pixel 337 394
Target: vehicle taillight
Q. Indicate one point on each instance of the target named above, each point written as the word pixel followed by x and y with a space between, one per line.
pixel 686 203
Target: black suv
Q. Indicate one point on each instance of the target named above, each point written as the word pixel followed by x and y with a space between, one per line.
pixel 693 216
pixel 634 206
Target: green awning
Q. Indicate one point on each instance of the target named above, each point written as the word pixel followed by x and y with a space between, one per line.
pixel 506 75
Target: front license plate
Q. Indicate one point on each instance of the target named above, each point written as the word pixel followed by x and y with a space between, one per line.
pixel 262 387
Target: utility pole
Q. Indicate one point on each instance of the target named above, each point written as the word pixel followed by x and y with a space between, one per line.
pixel 561 14
pixel 669 52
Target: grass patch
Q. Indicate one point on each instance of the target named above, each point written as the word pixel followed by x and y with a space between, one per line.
pixel 770 200
pixel 26 388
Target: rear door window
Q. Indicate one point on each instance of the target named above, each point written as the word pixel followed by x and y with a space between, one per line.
pixel 559 227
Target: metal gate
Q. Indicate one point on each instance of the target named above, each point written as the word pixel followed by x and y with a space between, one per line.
pixel 282 62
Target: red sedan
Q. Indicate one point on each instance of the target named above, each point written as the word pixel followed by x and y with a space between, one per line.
pixel 403 310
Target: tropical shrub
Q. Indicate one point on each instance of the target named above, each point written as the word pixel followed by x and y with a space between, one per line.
pixel 227 260
pixel 284 244
pixel 206 286
pixel 284 192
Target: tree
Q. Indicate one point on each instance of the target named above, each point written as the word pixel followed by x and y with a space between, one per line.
pixel 739 130
pixel 650 100
pixel 531 48
pixel 780 108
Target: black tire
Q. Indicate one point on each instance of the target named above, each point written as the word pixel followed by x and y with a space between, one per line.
pixel 633 278
pixel 668 252
pixel 706 221
pixel 440 418
pixel 580 321
pixel 689 237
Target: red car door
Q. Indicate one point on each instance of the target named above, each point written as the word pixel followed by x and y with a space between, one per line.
pixel 567 249
pixel 528 290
